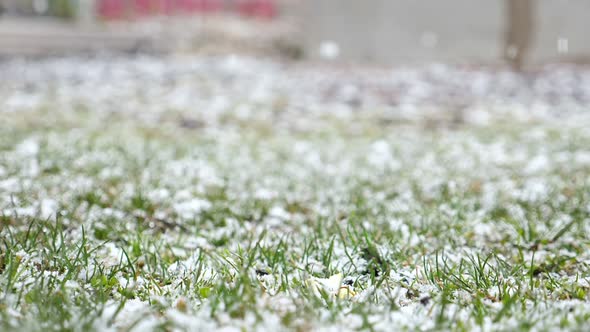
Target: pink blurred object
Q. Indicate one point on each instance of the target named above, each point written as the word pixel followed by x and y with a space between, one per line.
pixel 121 9
pixel 257 8
pixel 111 9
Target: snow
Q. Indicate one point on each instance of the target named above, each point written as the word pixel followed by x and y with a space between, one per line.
pixel 191 208
pixel 291 151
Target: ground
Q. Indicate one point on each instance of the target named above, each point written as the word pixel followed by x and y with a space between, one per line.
pixel 206 193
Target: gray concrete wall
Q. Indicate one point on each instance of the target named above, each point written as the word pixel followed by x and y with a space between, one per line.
pixel 417 31
pixel 562 22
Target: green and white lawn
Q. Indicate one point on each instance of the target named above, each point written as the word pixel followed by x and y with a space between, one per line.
pixel 254 220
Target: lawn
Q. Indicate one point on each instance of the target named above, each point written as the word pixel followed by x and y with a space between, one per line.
pixel 200 194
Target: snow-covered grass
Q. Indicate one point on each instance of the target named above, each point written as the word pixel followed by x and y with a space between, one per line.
pixel 235 194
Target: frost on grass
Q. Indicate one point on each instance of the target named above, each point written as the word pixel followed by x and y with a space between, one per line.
pixel 201 194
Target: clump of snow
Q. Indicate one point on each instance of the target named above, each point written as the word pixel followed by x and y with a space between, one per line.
pixel 191 208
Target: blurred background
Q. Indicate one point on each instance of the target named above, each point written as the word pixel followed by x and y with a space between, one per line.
pixel 201 62
pixel 42 27
pixel 520 33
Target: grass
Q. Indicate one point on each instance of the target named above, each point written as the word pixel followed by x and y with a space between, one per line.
pixel 123 226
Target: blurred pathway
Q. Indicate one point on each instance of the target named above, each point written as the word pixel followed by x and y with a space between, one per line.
pixel 38 37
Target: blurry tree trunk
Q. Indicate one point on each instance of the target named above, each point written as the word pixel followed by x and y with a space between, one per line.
pixel 519 32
